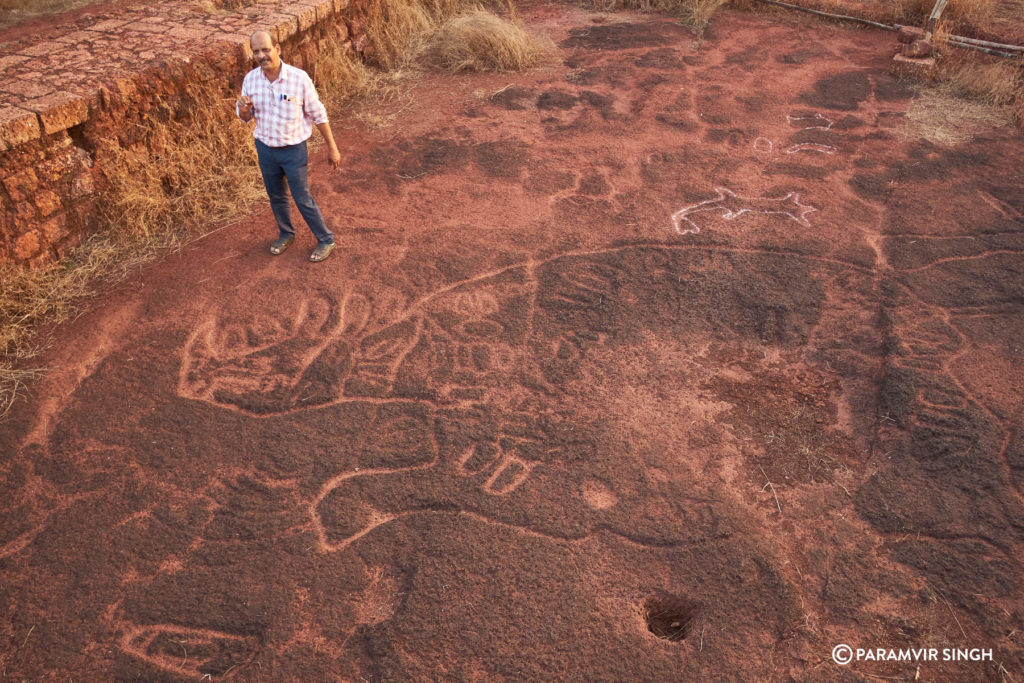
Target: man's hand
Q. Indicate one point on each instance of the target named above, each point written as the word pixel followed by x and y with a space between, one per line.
pixel 334 157
pixel 244 104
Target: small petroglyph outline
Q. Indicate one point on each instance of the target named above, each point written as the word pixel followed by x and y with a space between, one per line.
pixel 723 194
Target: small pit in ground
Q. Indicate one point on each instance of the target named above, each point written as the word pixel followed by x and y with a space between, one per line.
pixel 670 617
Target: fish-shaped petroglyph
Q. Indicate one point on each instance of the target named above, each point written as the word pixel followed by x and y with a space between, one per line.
pixel 730 206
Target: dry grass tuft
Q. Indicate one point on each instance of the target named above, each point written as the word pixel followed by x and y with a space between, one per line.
pixel 53 294
pixel 981 79
pixel 961 14
pixel 15 11
pixel 398 29
pixel 341 77
pixel 481 41
pixel 201 172
pixel 941 116
pixel 694 13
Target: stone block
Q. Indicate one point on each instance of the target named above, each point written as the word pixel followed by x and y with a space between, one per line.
pixel 21 184
pixel 82 185
pixel 46 48
pixel 7 61
pixel 109 25
pixel 240 44
pixel 54 229
pixel 340 5
pixel 17 126
pixel 306 16
pixel 47 202
pixel 189 33
pixel 59 111
pixel 908 34
pixel 283 26
pixel 25 88
pixel 146 27
pixel 27 246
pixel 917 49
pixel 911 69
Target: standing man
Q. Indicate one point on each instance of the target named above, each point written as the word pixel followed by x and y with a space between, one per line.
pixel 285 105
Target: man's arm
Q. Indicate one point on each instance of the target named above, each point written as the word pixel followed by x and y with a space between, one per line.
pixel 333 155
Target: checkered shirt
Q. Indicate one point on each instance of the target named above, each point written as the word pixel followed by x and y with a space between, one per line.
pixel 285 109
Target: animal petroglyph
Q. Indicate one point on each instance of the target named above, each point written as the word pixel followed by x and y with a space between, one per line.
pixel 810 147
pixel 730 206
pixel 810 122
pixel 273 362
pixel 463 373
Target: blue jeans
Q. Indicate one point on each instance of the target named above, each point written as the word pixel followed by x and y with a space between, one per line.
pixel 291 163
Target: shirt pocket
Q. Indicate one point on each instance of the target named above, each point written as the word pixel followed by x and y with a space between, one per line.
pixel 290 106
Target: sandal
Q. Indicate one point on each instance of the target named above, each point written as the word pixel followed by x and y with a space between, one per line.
pixel 321 252
pixel 280 245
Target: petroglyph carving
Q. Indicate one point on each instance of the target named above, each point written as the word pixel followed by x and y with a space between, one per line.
pixel 189 652
pixel 730 206
pixel 809 147
pixel 293 356
pixel 810 122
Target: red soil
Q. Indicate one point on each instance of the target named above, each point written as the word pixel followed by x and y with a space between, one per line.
pixel 522 424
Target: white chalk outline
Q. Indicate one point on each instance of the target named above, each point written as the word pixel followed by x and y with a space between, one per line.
pixel 723 193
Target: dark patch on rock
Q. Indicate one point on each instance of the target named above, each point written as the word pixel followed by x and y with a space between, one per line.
pixel 733 136
pixel 893 90
pixel 557 99
pixel 614 76
pixel 594 184
pixel 514 98
pixel 501 159
pixel 848 122
pixel 961 569
pixel 801 56
pixel 625 36
pixel 753 103
pixel 843 91
pixel 994 280
pixel 676 121
pixel 747 56
pixel 872 186
pixel 545 181
pixel 664 58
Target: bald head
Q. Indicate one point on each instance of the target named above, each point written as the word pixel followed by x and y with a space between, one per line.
pixel 266 52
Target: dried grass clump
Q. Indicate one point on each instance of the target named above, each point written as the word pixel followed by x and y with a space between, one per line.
pixel 696 14
pixel 940 116
pixel 398 29
pixel 989 81
pixel 340 77
pixel 961 14
pixel 481 41
pixel 14 11
pixel 53 294
pixel 186 174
